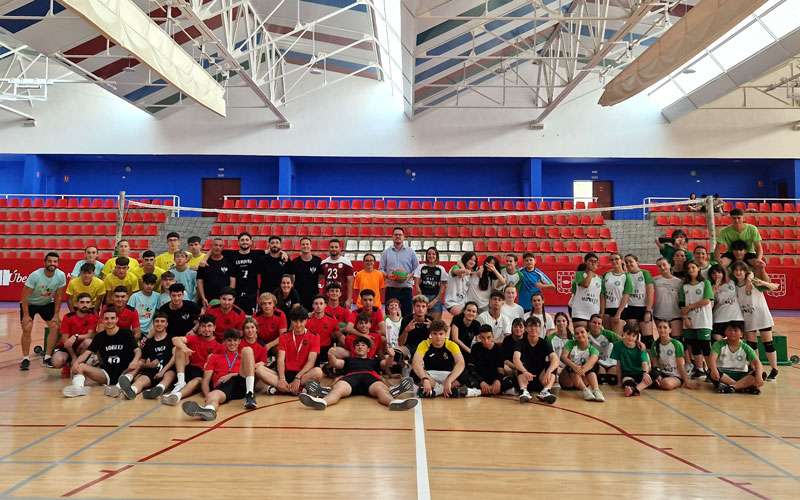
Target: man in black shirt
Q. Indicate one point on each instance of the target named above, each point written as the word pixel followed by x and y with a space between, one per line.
pixel 214 274
pixel 487 364
pixel 416 328
pixel 118 353
pixel 510 344
pixel 156 366
pixel 536 364
pixel 246 266
pixel 181 314
pixel 361 378
pixel 307 269
pixel 274 265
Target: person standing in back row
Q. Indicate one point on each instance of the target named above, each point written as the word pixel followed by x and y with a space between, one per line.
pixel 274 265
pixel 246 264
pixel 306 269
pixel 398 263
pixel 215 275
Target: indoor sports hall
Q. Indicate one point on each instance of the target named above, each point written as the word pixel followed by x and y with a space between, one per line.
pixel 411 249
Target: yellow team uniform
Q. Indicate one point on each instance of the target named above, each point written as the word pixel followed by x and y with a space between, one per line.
pixel 165 260
pixel 194 262
pixel 112 263
pixel 139 272
pixel 96 288
pixel 131 282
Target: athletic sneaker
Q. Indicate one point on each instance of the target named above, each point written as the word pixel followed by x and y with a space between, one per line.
pixel 525 397
pixel 126 388
pixel 312 401
pixel 697 373
pixel 402 404
pixel 556 388
pixel 193 409
pixel 628 391
pixel 724 388
pixel 250 401
pixel 752 390
pixel 111 391
pixel 467 392
pixel 48 363
pixel 313 388
pixel 153 392
pixel 270 390
pixel 403 390
pixel 773 374
pixel 73 391
pixel 611 379
pixel 598 396
pixel 25 365
pixel 178 386
pixel 588 395
pixel 546 397
pixel 171 399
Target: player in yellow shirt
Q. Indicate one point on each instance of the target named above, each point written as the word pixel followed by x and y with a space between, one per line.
pixel 120 277
pixel 369 278
pixel 88 283
pixel 123 250
pixel 196 255
pixel 166 260
pixel 148 267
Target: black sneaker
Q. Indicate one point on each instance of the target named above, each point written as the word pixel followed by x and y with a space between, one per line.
pixel 126 388
pixel 153 392
pixel 25 365
pixel 751 390
pixel 723 388
pixel 611 379
pixel 403 390
pixel 546 396
pixel 313 388
pixel 193 409
pixel 48 363
pixel 773 374
pixel 250 401
pixel 697 373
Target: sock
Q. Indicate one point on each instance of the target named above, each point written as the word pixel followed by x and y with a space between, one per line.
pixel 46 357
pixel 135 389
pixel 79 380
pixel 249 382
pixel 26 357
pixel 181 378
pixel 162 387
pixel 209 407
pixel 128 376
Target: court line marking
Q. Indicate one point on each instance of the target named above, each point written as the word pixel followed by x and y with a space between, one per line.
pixel 36 475
pixel 19 385
pixel 59 431
pixel 724 438
pixel 421 452
pixel 749 424
pixel 223 465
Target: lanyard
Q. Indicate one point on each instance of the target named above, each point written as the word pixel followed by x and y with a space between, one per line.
pixel 294 341
pixel 231 362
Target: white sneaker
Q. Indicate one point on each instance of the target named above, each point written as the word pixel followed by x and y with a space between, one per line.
pixel 73 391
pixel 588 395
pixel 525 397
pixel 178 386
pixel 111 391
pixel 312 401
pixel 546 396
pixel 171 399
pixel 598 396
pixel 472 393
pixel 402 404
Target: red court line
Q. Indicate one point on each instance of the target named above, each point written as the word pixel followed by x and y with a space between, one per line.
pixel 656 448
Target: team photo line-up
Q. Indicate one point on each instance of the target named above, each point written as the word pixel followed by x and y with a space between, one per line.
pixel 229 324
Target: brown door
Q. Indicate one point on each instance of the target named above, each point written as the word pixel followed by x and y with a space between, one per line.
pixel 214 191
pixel 783 189
pixel 604 192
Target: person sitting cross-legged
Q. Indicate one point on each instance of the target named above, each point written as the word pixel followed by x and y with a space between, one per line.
pixel 733 365
pixel 437 365
pixel 536 364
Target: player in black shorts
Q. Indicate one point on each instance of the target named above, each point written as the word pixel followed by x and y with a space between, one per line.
pixel 361 378
pixel 157 366
pixel 118 353
pixel 487 363
pixel 246 265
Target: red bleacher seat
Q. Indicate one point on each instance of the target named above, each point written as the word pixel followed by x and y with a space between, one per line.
pixel 532 246
pixel 556 205
pixel 493 246
pixel 585 247
pixel 597 220
pixel 597 246
pixel 484 206
pixel 545 247
pixel 472 205
pixel 571 247
pixel 549 260
pixel 605 233
pixel 611 247
pixel 480 246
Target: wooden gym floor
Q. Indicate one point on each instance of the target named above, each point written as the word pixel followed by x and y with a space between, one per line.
pixel 661 445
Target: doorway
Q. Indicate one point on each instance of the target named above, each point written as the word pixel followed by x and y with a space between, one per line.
pixel 214 191
pixel 604 192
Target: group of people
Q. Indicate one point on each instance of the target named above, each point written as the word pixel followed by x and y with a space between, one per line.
pixel 230 324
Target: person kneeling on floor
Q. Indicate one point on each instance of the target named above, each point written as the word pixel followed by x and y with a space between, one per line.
pixel 437 365
pixel 734 366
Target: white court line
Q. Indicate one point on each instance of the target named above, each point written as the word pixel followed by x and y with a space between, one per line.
pixel 423 486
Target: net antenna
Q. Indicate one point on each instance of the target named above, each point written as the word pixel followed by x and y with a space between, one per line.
pixel 710 224
pixel 120 218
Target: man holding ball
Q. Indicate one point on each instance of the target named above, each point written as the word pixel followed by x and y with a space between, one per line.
pixel 398 263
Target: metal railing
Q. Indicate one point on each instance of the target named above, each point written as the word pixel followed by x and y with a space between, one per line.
pixel 176 200
pixel 663 199
pixel 385 198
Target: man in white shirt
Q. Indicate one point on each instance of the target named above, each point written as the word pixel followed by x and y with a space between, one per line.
pixel 494 317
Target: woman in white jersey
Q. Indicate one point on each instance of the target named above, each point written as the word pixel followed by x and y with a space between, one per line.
pixel 726 303
pixel 586 291
pixel 669 367
pixel 580 357
pixel 757 318
pixel 482 283
pixel 666 306
pixel 456 294
pixel 616 290
pixel 640 302
pixel 560 336
pixel 538 310
pixel 696 300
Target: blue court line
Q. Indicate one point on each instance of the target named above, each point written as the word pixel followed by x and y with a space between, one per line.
pixel 53 465
pixel 750 452
pixel 59 431
pixel 749 424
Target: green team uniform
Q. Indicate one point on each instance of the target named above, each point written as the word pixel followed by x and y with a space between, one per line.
pixel 604 343
pixel 734 364
pixel 666 357
pixel 668 252
pixel 585 301
pixel 557 343
pixel 580 356
pixel 630 358
pixel 702 318
pixel 614 286
pixel 749 235
pixel 639 282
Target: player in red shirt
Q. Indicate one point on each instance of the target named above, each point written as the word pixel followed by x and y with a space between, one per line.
pixel 335 309
pixel 375 315
pixel 191 354
pixel 338 269
pixel 361 378
pixel 271 320
pixel 227 316
pixel 322 325
pixel 297 354
pixel 127 317
pixel 228 375
pixel 77 329
pixel 250 339
pixel 362 330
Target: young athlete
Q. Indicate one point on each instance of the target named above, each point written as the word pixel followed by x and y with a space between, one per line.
pixel 493 316
pixel 696 300
pixel 509 345
pixel 182 313
pixel 415 328
pixel 747 233
pixel 322 325
pixel 286 294
pixel 89 257
pixel 438 364
pixel 758 320
pixel 393 320
pixel 127 317
pixel 536 364
pixel 639 312
pixel 121 276
pixel 530 281
pixel 148 267
pixel 580 360
pixel 458 282
pixel 487 364
pixel 227 315
pixel 228 375
pixel 558 339
pixel 88 283
pixel 368 307
pixel 123 250
pixel 156 369
pixel 297 355
pixel 733 365
pixel 669 367
pixel 726 304
pixel 117 353
pixel 191 353
pixel 617 288
pixel 633 363
pixel 483 283
pixel 510 271
pixel 41 295
pixel 361 378
pixel 510 309
pixel 465 327
pixel 77 329
pixel 667 288
pixel 271 321
pixel 538 309
pixel 372 279
pixel 587 288
pixel 603 340
pixel 678 241
pixel 336 309
pixel 145 302
pixel 701 257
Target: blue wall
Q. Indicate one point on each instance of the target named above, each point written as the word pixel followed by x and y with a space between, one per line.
pixel 12 168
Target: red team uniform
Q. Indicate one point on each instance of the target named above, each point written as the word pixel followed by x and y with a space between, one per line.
pixel 269 328
pixel 297 349
pixel 324 328
pixel 375 317
pixel 225 321
pixel 377 344
pixel 259 351
pixel 127 319
pixel 338 271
